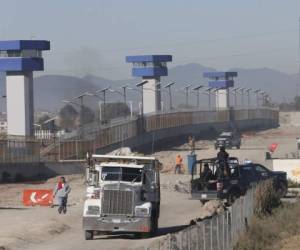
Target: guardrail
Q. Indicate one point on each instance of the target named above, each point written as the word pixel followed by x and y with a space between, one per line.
pixel 118 132
pixel 220 232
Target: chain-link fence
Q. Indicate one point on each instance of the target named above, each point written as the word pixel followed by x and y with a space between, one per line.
pixel 219 232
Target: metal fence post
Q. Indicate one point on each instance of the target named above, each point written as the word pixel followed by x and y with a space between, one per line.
pixel 218 233
pixel 223 231
pixel 211 235
pixel 197 238
pixel 227 230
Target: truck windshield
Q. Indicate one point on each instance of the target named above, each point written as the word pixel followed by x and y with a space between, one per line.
pixel 121 174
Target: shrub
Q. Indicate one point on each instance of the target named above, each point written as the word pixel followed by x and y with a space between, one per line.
pixel 266 198
pixel 269 232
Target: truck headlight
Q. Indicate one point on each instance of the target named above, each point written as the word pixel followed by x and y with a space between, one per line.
pixel 93 210
pixel 143 210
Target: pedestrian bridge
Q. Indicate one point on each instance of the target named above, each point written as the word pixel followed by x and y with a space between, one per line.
pixel 148 131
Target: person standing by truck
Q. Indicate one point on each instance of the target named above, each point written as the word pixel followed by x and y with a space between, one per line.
pixel 222 157
pixel 61 191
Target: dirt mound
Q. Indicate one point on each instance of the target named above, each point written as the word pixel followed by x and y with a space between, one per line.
pixel 178 183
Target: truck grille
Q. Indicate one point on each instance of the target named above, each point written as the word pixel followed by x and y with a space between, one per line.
pixel 117 202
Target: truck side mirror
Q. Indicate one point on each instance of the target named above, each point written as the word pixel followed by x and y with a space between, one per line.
pixel 143 195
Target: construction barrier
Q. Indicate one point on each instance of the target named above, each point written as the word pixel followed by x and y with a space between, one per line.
pixel 41 197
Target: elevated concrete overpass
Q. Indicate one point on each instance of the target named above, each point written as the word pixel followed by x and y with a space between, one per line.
pixel 148 131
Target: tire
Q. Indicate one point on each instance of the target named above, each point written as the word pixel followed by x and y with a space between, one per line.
pixel 154 226
pixel 238 146
pixel 89 235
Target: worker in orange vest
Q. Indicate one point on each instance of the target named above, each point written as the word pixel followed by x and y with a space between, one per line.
pixel 178 164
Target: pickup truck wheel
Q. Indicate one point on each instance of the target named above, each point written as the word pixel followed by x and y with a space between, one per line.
pixel 238 146
pixel 89 235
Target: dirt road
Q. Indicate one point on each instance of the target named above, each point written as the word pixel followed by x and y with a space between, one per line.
pixel 33 228
pixel 42 228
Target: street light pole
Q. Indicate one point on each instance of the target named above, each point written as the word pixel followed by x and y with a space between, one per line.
pixel 217 98
pixel 103 91
pixel 263 95
pixel 235 96
pixel 99 103
pixel 242 96
pixel 124 87
pixel 170 93
pixel 198 93
pixel 187 95
pixel 80 97
pixel 248 94
pixel 257 98
pixel 141 84
pixel 209 97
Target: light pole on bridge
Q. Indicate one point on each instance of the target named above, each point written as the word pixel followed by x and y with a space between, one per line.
pixel 197 89
pixel 168 86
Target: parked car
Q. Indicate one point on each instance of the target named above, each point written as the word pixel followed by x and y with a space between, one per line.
pixel 228 140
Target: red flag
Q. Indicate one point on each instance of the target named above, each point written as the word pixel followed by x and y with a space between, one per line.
pixel 273 147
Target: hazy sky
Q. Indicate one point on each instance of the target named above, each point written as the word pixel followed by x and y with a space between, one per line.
pixel 94 36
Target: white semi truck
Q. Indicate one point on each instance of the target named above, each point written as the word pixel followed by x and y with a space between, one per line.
pixel 123 195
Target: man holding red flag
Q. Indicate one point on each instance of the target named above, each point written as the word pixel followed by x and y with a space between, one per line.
pixel 62 190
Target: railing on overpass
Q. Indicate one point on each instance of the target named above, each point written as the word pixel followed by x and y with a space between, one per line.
pixel 19 150
pixel 99 137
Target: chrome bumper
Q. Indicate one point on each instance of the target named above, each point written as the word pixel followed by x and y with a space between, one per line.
pixel 117 224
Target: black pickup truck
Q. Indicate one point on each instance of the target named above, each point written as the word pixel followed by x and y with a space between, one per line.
pixel 209 185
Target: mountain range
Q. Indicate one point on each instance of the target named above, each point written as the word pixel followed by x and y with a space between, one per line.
pixel 50 90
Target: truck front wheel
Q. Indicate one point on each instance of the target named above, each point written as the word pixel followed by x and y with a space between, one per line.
pixel 89 235
pixel 154 225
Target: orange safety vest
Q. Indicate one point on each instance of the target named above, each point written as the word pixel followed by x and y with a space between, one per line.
pixel 178 160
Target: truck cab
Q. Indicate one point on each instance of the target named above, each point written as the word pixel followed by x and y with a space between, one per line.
pixel 123 195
